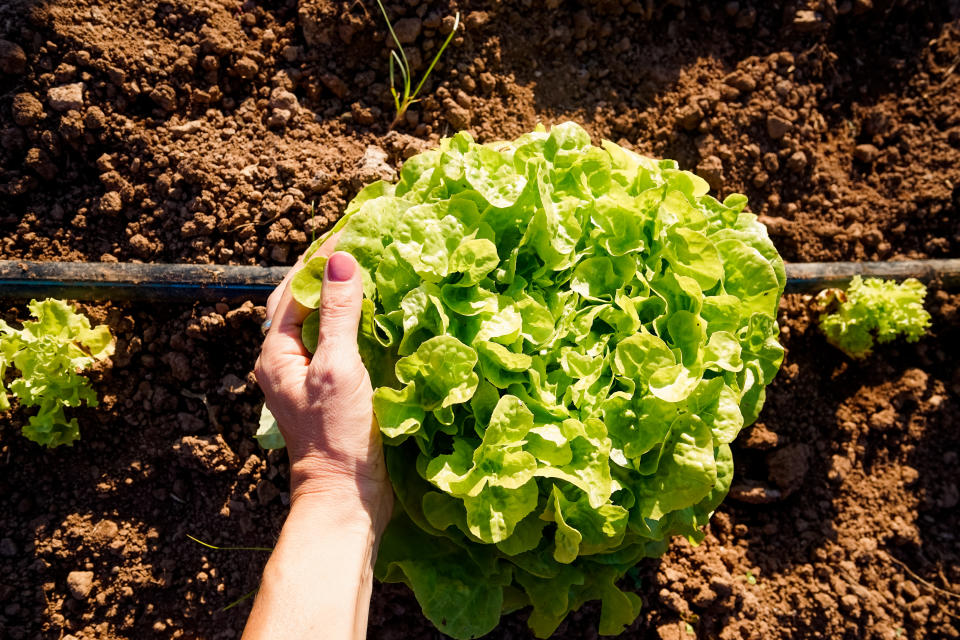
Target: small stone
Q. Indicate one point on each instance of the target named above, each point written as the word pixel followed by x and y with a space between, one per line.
pixel 141 245
pixel 66 97
pixel 777 126
pixel 797 162
pixel 771 162
pixel 37 160
pixel 105 531
pixel 282 99
pixel 335 84
pixel 457 116
pixel 12 58
pixel 164 96
pixel 80 583
pixel 373 166
pixel 245 68
pixel 759 437
pixel 711 170
pixel 670 631
pixel 27 110
pixel 408 29
pixel 788 466
pixel 690 116
pixel 110 203
pixel 186 128
pixel 279 118
pixel 476 19
pixel 741 81
pixel 866 153
pixel 95 118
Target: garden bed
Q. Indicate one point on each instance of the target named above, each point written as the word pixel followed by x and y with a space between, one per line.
pixel 843 128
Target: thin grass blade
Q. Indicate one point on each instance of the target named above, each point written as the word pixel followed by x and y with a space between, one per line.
pixel 216 548
pixel 456 24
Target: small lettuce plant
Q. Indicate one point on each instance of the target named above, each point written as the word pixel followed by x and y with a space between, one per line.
pixel 873 310
pixel 564 339
pixel 49 354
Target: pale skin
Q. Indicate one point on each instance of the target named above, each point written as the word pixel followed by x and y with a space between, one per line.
pixel 318 580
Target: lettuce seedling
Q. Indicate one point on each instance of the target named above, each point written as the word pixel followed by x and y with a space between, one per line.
pixel 873 310
pixel 564 340
pixel 49 354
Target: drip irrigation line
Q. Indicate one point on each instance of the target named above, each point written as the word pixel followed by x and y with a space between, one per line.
pixel 124 281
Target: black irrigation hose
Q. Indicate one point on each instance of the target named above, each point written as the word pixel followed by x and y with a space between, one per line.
pixel 201 282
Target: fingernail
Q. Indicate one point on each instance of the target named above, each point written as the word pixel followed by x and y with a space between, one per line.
pixel 340 267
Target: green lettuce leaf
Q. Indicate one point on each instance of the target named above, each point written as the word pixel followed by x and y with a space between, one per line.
pixel 563 340
pixel 50 354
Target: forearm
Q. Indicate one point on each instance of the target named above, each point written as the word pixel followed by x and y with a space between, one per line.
pixel 318 580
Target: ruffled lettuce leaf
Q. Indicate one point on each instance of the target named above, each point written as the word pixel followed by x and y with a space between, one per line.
pixel 563 339
pixel 49 354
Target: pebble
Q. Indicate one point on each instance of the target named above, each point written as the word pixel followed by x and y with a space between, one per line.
pixel 335 84
pixel 866 153
pixel 186 128
pixel 797 162
pixel 66 97
pixel 408 29
pixel 457 116
pixel 245 68
pixel 283 99
pixel 164 96
pixel 105 531
pixel 741 81
pixel 373 166
pixel 27 110
pixel 690 116
pixel 711 170
pixel 80 583
pixel 777 126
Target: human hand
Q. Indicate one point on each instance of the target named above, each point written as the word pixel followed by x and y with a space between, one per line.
pixel 323 405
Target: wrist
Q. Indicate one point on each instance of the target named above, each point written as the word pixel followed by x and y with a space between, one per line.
pixel 352 502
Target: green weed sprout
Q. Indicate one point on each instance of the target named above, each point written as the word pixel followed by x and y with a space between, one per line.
pixel 403 100
pixel 50 353
pixel 873 310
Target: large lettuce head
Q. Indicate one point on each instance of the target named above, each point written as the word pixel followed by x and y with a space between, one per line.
pixel 564 339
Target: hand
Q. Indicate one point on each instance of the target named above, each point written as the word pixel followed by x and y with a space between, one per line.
pixel 323 405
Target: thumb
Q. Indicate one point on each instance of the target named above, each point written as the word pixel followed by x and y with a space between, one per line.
pixel 340 302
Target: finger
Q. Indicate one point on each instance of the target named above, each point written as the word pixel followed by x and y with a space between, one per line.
pixel 340 304
pixel 274 300
pixel 325 250
pixel 283 348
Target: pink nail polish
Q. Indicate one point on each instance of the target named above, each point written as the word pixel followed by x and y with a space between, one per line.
pixel 340 267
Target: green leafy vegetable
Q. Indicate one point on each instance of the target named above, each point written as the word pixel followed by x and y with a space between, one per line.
pixel 564 340
pixel 873 310
pixel 50 353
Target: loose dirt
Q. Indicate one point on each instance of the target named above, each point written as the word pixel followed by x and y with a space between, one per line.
pixel 229 132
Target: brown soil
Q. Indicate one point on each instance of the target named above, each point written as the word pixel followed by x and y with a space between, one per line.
pixel 223 132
